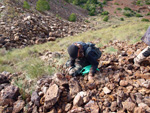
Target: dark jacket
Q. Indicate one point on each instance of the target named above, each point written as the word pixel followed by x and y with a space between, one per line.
pixel 89 58
pixel 146 37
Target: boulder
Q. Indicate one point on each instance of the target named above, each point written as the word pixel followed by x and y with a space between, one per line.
pixel 18 106
pixel 10 92
pixel 52 95
pixel 74 87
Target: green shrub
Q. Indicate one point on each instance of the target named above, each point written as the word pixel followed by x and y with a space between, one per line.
pixel 42 5
pixel 92 12
pixel 72 17
pixel 122 19
pixel 94 1
pixel 105 13
pixel 116 3
pixel 145 20
pixel 106 18
pixel 148 13
pixel 138 15
pixel 104 2
pixel 67 1
pixel 147 2
pixel 76 2
pixel 138 2
pixel 87 21
pixel 119 8
pixel 128 14
pixel 127 8
pixel 26 5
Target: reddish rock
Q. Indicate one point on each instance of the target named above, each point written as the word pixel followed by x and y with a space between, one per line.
pixel 74 87
pixel 128 106
pixel 51 96
pixel 92 107
pixel 123 83
pixel 18 106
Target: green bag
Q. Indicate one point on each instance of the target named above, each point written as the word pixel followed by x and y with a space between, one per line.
pixel 86 69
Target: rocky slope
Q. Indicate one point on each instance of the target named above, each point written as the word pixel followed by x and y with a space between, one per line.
pixel 119 87
pixel 20 27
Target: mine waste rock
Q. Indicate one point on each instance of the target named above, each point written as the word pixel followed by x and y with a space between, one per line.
pixel 119 87
pixel 36 29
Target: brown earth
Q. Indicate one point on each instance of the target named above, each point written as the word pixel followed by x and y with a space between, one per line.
pixel 112 6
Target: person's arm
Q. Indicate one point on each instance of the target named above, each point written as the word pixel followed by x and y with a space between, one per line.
pixel 72 62
pixel 93 61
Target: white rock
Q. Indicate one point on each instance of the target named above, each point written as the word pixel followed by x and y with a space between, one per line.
pixel 106 90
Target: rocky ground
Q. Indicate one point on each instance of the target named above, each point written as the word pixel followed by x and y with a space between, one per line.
pixel 119 87
pixel 20 27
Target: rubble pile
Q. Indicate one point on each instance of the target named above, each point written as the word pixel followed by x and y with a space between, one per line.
pixel 118 87
pixel 35 29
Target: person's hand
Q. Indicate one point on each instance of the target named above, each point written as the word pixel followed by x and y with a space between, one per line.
pixel 71 67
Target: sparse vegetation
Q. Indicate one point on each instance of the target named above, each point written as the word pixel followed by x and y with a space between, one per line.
pixel 104 2
pixel 116 3
pixel 72 17
pixel 106 18
pixel 145 20
pixel 110 50
pixel 26 5
pixel 148 13
pixel 138 15
pixel 147 2
pixel 138 2
pixel 105 13
pixel 128 14
pixel 122 19
pixel 127 8
pixel 119 9
pixel 42 5
pixel 59 17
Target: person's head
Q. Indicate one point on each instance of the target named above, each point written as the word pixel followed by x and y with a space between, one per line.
pixel 73 51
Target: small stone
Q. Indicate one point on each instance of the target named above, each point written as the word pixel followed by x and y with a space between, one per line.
pixel 113 106
pixel 106 90
pixel 123 83
pixel 128 105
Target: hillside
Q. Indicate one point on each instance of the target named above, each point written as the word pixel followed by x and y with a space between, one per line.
pixel 19 29
pixel 33 53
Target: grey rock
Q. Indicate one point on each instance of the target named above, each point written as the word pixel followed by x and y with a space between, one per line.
pixel 35 98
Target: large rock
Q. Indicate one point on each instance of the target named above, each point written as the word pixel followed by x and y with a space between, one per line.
pixel 35 98
pixel 60 79
pixel 80 98
pixel 52 95
pixel 74 87
pixel 10 92
pixel 3 79
pixel 18 106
